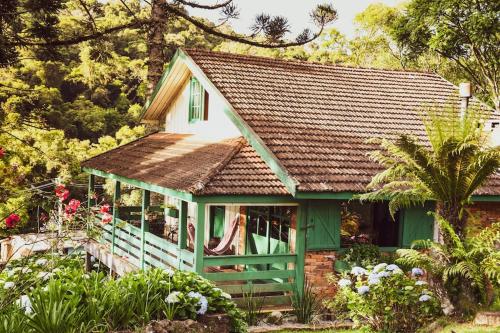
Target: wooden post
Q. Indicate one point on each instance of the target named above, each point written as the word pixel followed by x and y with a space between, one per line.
pixel 182 233
pixel 199 238
pixel 90 199
pixel 300 246
pixel 146 195
pixel 116 199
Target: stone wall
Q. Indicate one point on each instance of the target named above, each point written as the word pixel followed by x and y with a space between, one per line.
pixel 318 267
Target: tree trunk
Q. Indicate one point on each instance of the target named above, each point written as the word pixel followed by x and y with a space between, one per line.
pixel 451 212
pixel 156 43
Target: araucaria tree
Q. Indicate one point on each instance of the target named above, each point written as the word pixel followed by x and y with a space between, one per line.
pixel 455 160
pixel 35 25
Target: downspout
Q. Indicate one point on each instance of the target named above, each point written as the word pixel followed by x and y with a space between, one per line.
pixel 465 95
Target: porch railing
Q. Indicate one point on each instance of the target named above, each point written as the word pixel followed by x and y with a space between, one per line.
pixel 273 284
pixel 158 252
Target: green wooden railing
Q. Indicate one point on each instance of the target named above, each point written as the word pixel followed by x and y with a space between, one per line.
pixel 158 252
pixel 274 284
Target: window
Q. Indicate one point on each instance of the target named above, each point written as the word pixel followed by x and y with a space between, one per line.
pixel 198 102
pixel 217 215
pixel 369 223
pixel 268 229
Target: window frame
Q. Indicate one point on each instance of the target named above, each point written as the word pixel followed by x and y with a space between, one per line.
pixel 197 96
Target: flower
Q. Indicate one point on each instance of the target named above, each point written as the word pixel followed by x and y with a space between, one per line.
pixel 62 192
pixel 8 285
pixel 425 298
pixel 173 297
pixel 420 283
pixel 379 267
pixel 225 295
pixel 169 272
pixel 72 207
pixel 397 271
pixel 2 152
pixel 44 275
pixel 24 302
pixel 41 262
pixel 356 270
pixel 374 281
pixel 383 274
pixel 26 270
pixel 106 218
pixel 193 294
pixel 203 303
pixel 344 283
pixel 417 271
pixel 392 267
pixel 104 209
pixel 363 290
pixel 12 220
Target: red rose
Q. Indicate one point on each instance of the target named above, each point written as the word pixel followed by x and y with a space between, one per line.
pixel 104 208
pixel 12 220
pixel 62 192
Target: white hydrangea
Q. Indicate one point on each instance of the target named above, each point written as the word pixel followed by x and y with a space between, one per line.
pixel 41 262
pixel 356 270
pixel 203 303
pixel 379 267
pixel 425 298
pixel 173 297
pixel 44 275
pixel 8 285
pixel 344 283
pixel 26 270
pixel 24 302
pixel 392 267
pixel 363 290
pixel 420 283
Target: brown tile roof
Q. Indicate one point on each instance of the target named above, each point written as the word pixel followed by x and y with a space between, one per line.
pixel 315 118
pixel 191 164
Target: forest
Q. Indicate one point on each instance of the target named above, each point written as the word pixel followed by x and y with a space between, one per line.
pixel 66 95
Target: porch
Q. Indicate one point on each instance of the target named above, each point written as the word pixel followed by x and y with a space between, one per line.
pixel 264 256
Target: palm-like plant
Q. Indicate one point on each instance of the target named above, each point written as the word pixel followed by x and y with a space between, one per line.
pixel 459 266
pixel 448 167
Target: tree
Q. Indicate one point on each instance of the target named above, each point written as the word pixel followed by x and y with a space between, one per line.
pixel 448 168
pixel 467 33
pixel 35 24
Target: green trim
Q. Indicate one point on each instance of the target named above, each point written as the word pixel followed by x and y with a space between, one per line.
pixel 490 198
pixel 253 259
pixel 300 246
pixel 199 238
pixel 250 275
pixel 146 195
pixel 196 115
pixel 116 198
pixel 137 183
pixel 325 195
pixel 182 237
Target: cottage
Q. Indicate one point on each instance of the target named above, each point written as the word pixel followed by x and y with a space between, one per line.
pixel 248 183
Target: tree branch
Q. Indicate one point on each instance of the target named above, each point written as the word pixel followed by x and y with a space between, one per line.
pixel 234 38
pixel 79 39
pixel 196 5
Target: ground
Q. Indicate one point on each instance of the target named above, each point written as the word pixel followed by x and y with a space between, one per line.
pixel 453 328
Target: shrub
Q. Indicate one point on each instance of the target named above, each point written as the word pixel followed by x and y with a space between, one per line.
pixel 386 299
pixel 253 307
pixel 70 300
pixel 362 255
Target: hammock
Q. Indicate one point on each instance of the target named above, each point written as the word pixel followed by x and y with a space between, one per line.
pixel 225 242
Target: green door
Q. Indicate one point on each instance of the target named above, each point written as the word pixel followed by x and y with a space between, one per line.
pixel 417 224
pixel 323 225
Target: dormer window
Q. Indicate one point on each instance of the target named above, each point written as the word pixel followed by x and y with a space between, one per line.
pixel 198 102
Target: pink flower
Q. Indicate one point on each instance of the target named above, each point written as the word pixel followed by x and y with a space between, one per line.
pixel 106 218
pixel 2 152
pixel 104 208
pixel 62 192
pixel 72 207
pixel 12 220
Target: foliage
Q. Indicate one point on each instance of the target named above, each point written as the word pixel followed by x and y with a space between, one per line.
pixel 70 300
pixel 306 304
pixel 386 299
pixel 253 307
pixel 457 162
pixel 466 269
pixel 454 29
pixel 362 255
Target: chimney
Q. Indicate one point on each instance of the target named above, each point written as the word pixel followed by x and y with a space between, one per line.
pixel 465 94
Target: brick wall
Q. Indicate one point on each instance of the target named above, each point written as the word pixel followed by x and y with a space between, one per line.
pixel 485 213
pixel 318 266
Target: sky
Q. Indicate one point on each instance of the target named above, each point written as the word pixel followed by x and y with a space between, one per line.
pixel 297 12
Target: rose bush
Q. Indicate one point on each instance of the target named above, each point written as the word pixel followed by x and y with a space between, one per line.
pixel 385 298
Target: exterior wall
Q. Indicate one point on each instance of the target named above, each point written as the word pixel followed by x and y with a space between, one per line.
pixel 318 267
pixel 218 124
pixel 485 213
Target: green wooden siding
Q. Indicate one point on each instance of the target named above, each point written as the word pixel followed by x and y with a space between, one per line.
pixel 417 224
pixel 323 225
pixel 196 101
